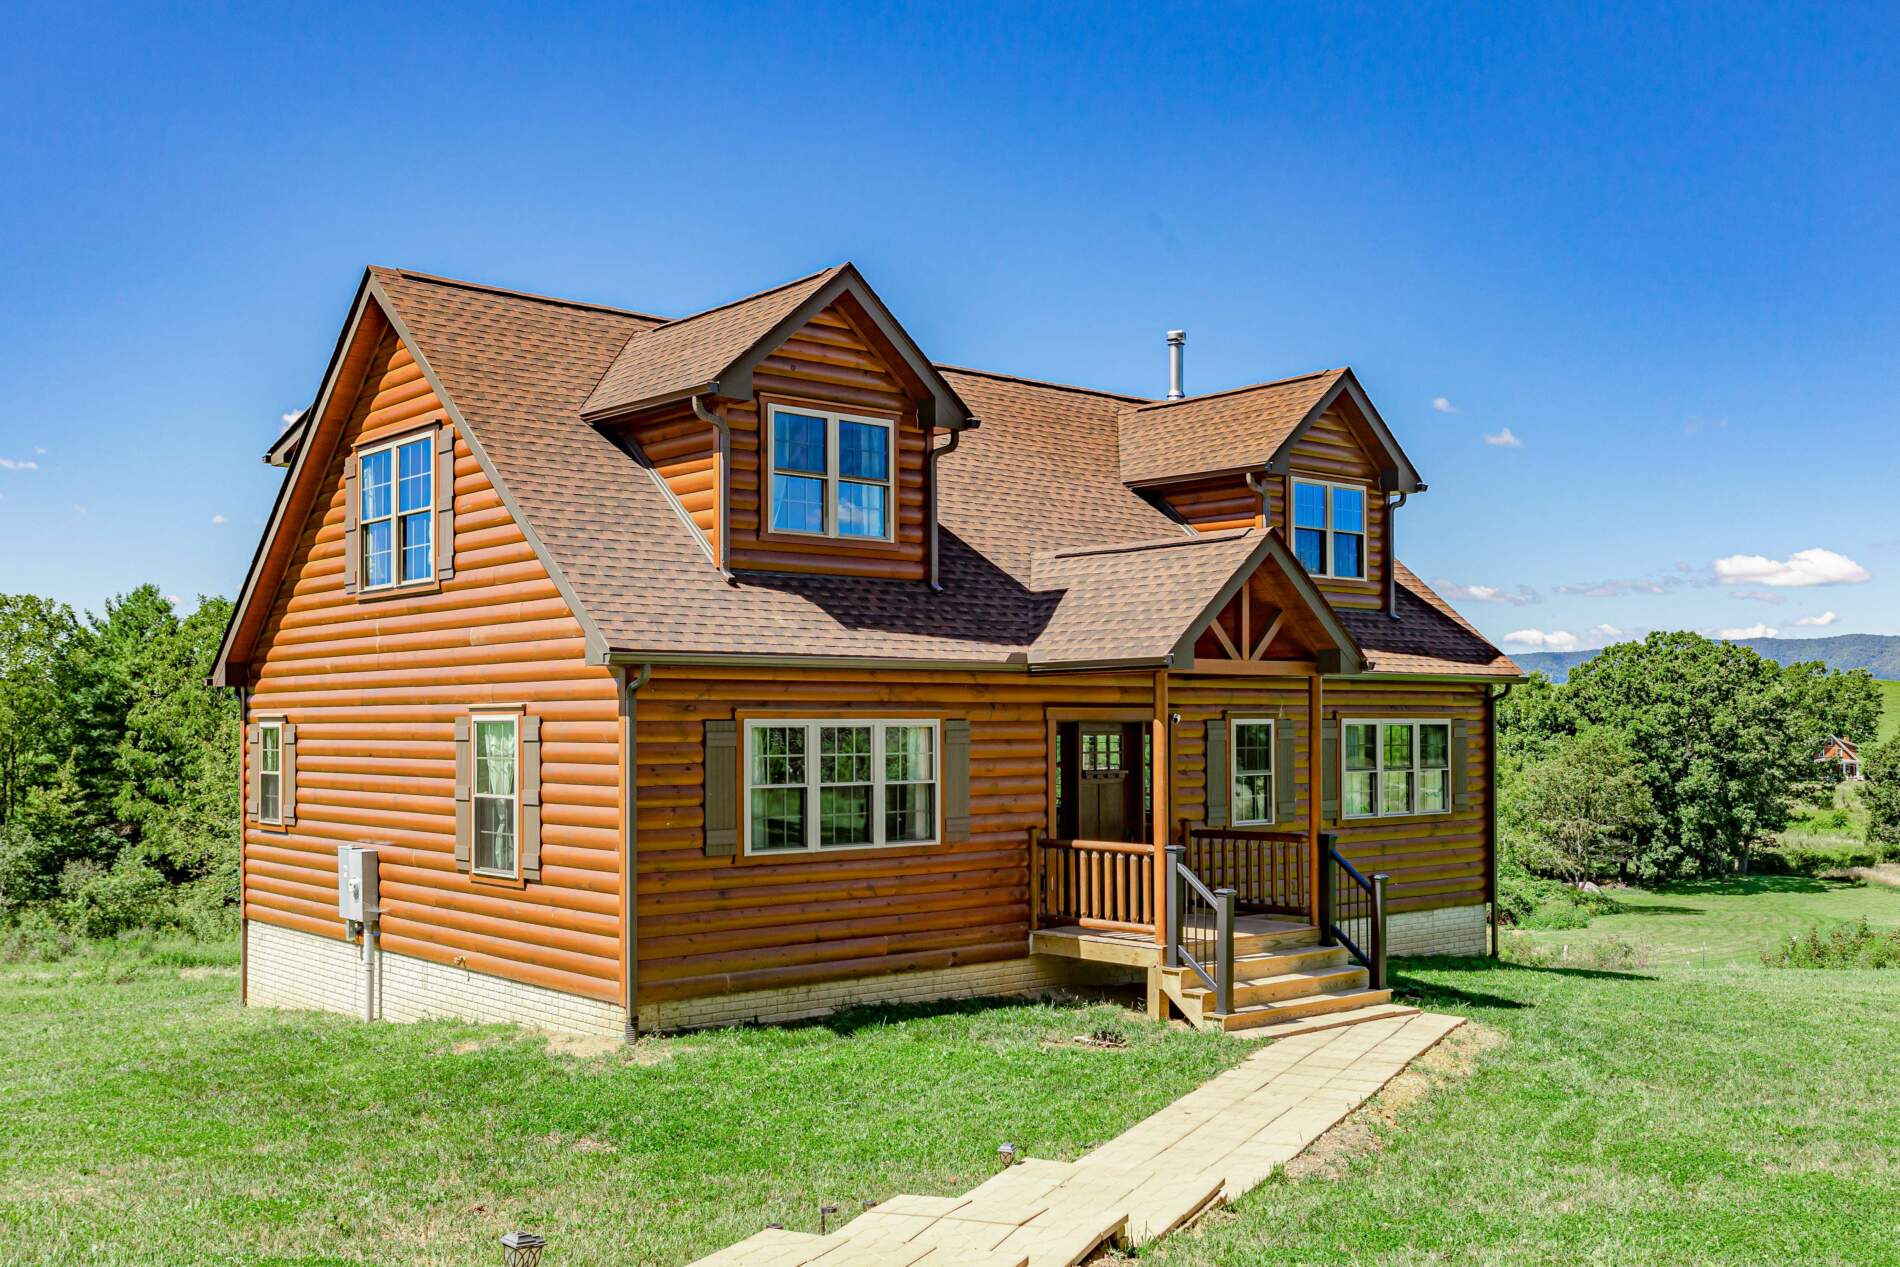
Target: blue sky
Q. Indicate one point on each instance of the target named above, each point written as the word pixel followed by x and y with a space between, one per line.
pixel 1624 281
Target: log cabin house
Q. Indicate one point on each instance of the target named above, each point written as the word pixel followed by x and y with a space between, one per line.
pixel 746 665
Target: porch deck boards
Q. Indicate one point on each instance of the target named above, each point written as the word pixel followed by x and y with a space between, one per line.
pixel 1212 1145
pixel 1252 933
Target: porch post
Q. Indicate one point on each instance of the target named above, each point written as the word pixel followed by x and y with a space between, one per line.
pixel 1161 757
pixel 1315 782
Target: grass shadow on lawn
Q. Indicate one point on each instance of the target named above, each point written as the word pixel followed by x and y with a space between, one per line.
pixel 1750 886
pixel 1441 994
pixel 871 1016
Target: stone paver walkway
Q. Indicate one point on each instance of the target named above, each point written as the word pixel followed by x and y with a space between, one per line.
pixel 1211 1145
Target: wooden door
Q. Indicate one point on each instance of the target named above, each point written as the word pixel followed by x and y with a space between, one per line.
pixel 1102 797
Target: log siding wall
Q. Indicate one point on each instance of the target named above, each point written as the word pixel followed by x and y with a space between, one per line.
pixel 374 687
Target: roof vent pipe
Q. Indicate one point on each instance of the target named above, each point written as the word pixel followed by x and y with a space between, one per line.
pixel 1177 347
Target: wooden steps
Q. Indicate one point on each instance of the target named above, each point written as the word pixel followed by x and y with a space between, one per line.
pixel 1284 982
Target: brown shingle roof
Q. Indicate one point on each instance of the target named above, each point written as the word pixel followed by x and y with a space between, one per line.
pixel 1428 636
pixel 1242 428
pixel 692 351
pixel 1028 503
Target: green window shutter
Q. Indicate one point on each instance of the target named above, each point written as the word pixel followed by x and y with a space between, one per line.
pixel 1219 782
pixel 1460 772
pixel 1329 769
pixel 288 792
pixel 352 506
pixel 464 806
pixel 722 788
pixel 445 501
pixel 253 741
pixel 956 779
pixel 1286 784
pixel 530 797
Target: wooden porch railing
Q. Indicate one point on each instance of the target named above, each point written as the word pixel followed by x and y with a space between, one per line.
pixel 1270 872
pixel 1100 884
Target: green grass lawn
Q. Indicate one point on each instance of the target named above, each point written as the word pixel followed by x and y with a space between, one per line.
pixel 1695 1109
pixel 1890 710
pixel 149 1120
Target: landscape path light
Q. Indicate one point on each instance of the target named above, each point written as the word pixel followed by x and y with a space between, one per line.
pixel 521 1249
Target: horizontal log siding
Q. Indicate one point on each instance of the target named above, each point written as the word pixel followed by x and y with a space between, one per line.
pixel 717 925
pixel 1214 505
pixel 1434 861
pixel 374 686
pixel 1332 450
pixel 684 452
pixel 828 361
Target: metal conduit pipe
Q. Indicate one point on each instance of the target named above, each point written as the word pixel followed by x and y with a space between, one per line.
pixel 1491 800
pixel 1258 483
pixel 630 684
pixel 722 482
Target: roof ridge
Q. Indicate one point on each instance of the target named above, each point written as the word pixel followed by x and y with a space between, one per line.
pixel 1247 387
pixel 1153 543
pixel 746 299
pixel 943 367
pixel 461 284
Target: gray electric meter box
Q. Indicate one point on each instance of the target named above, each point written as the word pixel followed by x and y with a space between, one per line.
pixel 356 883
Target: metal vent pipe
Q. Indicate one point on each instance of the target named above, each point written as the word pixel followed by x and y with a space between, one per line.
pixel 1177 349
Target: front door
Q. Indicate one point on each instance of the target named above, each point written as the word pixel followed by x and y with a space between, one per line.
pixel 1102 799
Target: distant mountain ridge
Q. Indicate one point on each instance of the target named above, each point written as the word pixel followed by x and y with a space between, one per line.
pixel 1879 654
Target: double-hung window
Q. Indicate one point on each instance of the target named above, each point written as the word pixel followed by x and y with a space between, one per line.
pixel 1251 763
pixel 396 518
pixel 1329 528
pixel 830 473
pixel 1396 767
pixel 840 784
pixel 270 772
pixel 497 795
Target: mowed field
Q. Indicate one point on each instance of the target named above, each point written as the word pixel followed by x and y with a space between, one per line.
pixel 1890 710
pixel 1688 1106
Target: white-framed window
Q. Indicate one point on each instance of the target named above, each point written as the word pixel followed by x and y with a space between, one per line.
pixel 1250 766
pixel 396 515
pixel 830 474
pixel 497 794
pixel 840 783
pixel 270 772
pixel 1329 528
pixel 1395 767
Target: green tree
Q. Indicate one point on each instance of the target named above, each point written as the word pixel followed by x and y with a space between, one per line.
pixel 1723 737
pixel 1576 812
pixel 1532 720
pixel 36 643
pixel 1881 792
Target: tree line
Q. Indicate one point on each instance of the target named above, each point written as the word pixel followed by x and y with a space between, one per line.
pixel 118 765
pixel 1676 757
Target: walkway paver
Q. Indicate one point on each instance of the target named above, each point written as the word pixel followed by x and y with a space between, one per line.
pixel 1211 1145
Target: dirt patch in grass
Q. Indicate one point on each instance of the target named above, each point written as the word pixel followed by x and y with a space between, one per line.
pixel 1887 874
pixel 204 971
pixel 1364 1131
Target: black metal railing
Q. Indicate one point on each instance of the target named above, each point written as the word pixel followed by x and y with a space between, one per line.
pixel 1352 910
pixel 1201 928
pixel 1269 871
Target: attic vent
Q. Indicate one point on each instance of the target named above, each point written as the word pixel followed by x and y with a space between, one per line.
pixel 1177 348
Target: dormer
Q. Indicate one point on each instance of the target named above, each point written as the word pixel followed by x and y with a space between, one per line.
pixel 1308 457
pixel 793 429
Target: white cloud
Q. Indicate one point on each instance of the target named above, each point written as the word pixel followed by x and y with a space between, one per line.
pixel 1803 567
pixel 217 519
pixel 290 416
pixel 1443 405
pixel 1751 631
pixel 19 464
pixel 1760 596
pixel 1553 640
pixel 1606 633
pixel 1822 621
pixel 1694 425
pixel 172 599
pixel 40 451
pixel 1505 439
pixel 78 509
pixel 1522 596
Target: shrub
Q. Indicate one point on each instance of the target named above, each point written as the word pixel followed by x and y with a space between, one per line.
pixel 1576 812
pixel 96 901
pixel 1881 793
pixel 1854 945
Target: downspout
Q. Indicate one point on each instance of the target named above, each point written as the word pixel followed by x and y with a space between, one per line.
pixel 1491 802
pixel 244 928
pixel 721 482
pixel 956 438
pixel 1392 556
pixel 630 844
pixel 1258 484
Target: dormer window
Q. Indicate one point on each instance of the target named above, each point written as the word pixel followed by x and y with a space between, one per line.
pixel 830 473
pixel 1329 528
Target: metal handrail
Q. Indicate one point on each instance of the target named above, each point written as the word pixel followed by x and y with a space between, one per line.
pixel 1182 944
pixel 1333 919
